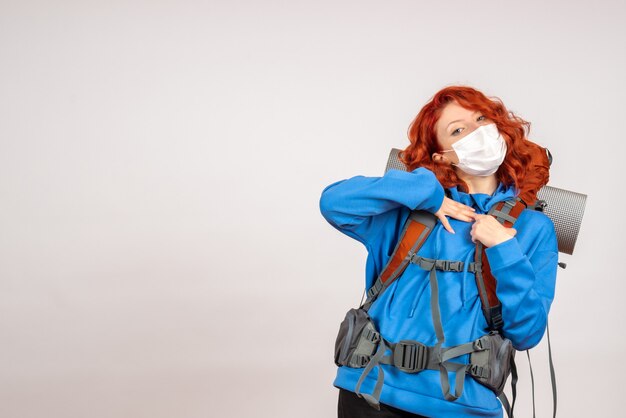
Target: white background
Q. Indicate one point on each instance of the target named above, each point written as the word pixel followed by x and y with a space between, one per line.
pixel 162 253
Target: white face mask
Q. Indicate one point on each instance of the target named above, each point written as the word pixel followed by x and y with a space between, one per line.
pixel 481 152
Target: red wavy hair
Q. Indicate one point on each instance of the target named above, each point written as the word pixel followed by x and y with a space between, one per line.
pixel 421 133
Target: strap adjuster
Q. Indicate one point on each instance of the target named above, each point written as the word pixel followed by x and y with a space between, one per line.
pixel 360 360
pixel 497 322
pixel 449 265
pixel 410 356
pixel 372 336
pixel 478 371
pixel 481 344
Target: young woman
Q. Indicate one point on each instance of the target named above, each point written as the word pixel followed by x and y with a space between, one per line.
pixel 466 154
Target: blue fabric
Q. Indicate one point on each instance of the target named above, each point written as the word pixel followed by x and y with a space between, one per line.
pixel 373 210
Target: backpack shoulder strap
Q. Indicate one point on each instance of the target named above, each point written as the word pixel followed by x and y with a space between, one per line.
pixel 506 213
pixel 417 228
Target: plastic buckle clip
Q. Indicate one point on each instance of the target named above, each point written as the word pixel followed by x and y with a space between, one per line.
pixel 447 265
pixel 410 356
pixel 455 265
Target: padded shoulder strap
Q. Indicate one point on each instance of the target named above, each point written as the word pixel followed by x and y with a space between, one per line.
pixel 417 228
pixel 506 213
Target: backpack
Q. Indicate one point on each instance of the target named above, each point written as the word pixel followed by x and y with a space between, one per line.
pixel 360 345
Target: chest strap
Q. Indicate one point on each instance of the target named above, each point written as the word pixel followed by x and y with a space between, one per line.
pixel 423 262
pixel 442 265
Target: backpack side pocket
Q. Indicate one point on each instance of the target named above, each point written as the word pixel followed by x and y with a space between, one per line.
pixel 357 339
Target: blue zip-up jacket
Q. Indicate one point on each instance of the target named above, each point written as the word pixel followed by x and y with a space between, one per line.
pixel 373 210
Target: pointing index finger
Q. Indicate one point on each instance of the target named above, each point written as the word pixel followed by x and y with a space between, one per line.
pixel 446 224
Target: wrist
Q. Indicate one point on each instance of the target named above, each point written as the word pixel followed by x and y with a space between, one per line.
pixel 501 239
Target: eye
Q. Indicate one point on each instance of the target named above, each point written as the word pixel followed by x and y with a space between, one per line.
pixel 456 131
pixel 479 118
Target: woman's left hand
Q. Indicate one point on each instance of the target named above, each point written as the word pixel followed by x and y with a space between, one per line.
pixel 489 231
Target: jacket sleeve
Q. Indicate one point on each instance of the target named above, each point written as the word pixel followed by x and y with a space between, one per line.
pixel 355 206
pixel 526 282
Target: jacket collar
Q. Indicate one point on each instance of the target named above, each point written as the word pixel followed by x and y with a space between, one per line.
pixel 482 202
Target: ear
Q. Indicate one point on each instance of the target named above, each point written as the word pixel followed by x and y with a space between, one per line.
pixel 439 158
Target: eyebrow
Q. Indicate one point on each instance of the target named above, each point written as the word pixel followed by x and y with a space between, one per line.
pixel 461 120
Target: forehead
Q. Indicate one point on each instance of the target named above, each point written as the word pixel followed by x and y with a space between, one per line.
pixel 453 111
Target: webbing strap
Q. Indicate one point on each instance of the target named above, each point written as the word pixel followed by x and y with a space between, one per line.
pixel 507 212
pixel 373 399
pixel 505 403
pixel 412 356
pixel 532 380
pixel 513 384
pixel 459 380
pixel 375 289
pixel 434 306
pixel 502 216
pixel 502 211
pixel 552 374
pixel 444 366
pixel 532 377
pixel 503 399
pixel 467 348
pixel 482 289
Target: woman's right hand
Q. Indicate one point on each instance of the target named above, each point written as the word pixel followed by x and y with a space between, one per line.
pixel 454 210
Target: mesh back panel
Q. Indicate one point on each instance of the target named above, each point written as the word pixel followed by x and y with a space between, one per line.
pixel 564 208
